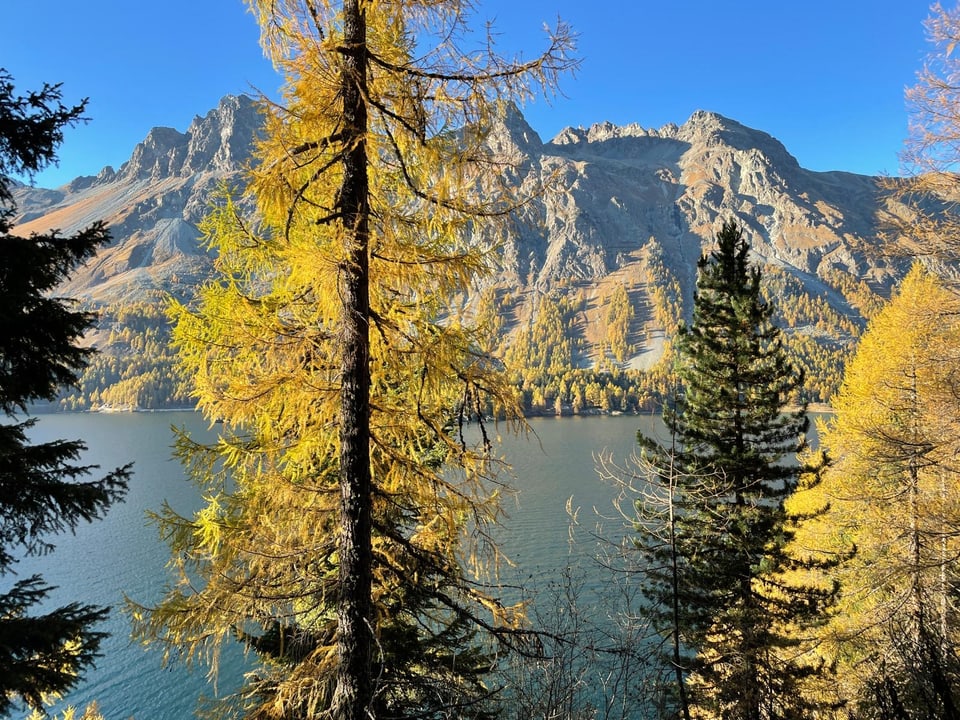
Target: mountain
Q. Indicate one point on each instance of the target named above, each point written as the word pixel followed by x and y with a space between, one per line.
pixel 616 187
pixel 611 207
pixel 153 205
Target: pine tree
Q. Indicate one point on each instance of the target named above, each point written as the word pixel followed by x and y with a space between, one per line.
pixel 345 536
pixel 716 579
pixel 41 493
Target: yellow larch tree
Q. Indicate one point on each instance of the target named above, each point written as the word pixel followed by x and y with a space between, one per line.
pixel 889 510
pixel 618 318
pixel 345 537
pixel 928 224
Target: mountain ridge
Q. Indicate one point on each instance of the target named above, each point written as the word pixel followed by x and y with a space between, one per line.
pixel 610 205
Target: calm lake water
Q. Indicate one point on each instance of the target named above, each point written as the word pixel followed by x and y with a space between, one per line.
pixel 123 555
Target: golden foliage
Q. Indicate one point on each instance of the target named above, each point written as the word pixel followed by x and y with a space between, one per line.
pixel 90 712
pixel 930 225
pixel 265 343
pixel 618 318
pixel 891 495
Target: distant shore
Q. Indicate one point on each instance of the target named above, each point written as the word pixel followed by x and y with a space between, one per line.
pixel 824 408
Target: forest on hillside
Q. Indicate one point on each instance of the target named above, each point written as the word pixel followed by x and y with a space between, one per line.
pixel 549 357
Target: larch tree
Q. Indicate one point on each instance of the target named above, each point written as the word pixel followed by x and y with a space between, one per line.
pixel 891 494
pixel 346 534
pixel 43 650
pixel 717 547
pixel 618 318
pixel 930 225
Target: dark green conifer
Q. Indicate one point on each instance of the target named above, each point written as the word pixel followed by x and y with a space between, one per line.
pixel 716 548
pixel 41 491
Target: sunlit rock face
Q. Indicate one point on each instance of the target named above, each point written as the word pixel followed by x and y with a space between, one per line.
pixel 598 199
pixel 153 205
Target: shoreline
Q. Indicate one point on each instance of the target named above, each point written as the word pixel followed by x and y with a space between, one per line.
pixel 818 408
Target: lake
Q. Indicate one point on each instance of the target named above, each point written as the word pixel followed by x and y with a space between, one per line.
pixel 123 555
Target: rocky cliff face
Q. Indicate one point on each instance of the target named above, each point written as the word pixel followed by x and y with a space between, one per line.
pixel 603 199
pixel 610 189
pixel 217 143
pixel 153 205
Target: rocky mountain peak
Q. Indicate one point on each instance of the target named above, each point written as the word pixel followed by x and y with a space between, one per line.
pixel 222 139
pixel 156 156
pixel 707 120
pixel 598 133
pixel 219 142
pixel 709 129
pixel 511 136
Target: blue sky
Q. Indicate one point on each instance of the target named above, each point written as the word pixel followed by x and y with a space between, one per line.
pixel 825 77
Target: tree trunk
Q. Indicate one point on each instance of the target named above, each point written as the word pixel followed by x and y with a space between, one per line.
pixel 678 663
pixel 354 691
